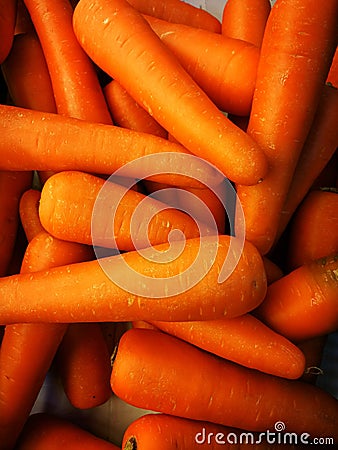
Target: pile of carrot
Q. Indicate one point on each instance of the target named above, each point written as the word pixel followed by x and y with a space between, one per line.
pixel 168 221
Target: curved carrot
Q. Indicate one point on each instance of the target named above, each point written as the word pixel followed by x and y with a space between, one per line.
pixel 29 213
pixel 303 304
pixel 47 432
pixel 244 340
pixel 155 79
pixel 54 142
pixel 280 120
pixel 68 203
pixel 75 83
pixel 37 297
pixel 155 371
pixel 129 114
pixel 246 19
pixel 7 25
pixel 320 146
pixel 307 242
pixel 176 11
pixel 225 68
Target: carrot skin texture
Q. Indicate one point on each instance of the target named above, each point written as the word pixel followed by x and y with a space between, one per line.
pixel 213 389
pixel 29 213
pixel 287 67
pixel 152 79
pixel 47 432
pixel 85 300
pixel 303 304
pixel 244 340
pixel 7 25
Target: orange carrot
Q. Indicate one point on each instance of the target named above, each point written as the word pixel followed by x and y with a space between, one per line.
pixel 244 340
pixel 29 213
pixel 226 71
pixel 47 432
pixel 273 271
pixel 319 148
pixel 12 186
pixel 69 200
pixel 246 19
pixel 7 25
pixel 303 304
pixel 313 351
pixel 307 241
pixel 155 79
pixel 176 11
pixel 129 114
pixel 198 385
pixel 75 84
pixel 332 77
pixel 54 142
pixel 88 295
pixel 290 78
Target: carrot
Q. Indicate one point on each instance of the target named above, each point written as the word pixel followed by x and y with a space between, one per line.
pixel 89 295
pixel 54 142
pixel 319 148
pixel 246 19
pixel 164 88
pixel 29 213
pixel 47 432
pixel 129 114
pixel 226 71
pixel 313 351
pixel 27 76
pixel 294 62
pixel 75 83
pixel 12 186
pixel 332 77
pixel 272 270
pixel 23 22
pixel 307 241
pixel 7 24
pixel 303 304
pixel 244 340
pixel 198 385
pixel 176 11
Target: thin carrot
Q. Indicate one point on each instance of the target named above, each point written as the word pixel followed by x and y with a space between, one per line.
pixel 68 202
pixel 89 295
pixel 29 213
pixel 47 432
pixel 12 186
pixel 75 83
pixel 7 25
pixel 198 385
pixel 246 19
pixel 320 146
pixel 294 62
pixel 332 77
pixel 129 114
pixel 227 70
pixel 244 340
pixel 303 304
pixel 54 142
pixel 155 79
pixel 176 11
pixel 307 241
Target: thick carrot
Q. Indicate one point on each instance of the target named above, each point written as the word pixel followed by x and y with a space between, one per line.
pixel 75 83
pixel 54 142
pixel 75 204
pixel 294 62
pixel 89 295
pixel 197 385
pixel 29 213
pixel 246 19
pixel 320 146
pixel 155 79
pixel 27 76
pixel 226 71
pixel 12 186
pixel 176 11
pixel 303 304
pixel 129 114
pixel 7 25
pixel 244 340
pixel 47 432
pixel 307 239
